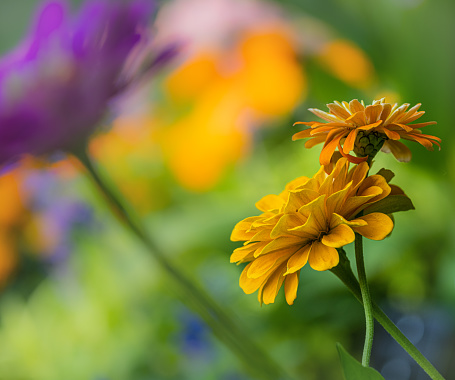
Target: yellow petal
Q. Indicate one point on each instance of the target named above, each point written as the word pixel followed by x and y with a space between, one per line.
pixel 246 252
pixel 339 236
pixel 291 283
pixel 242 229
pixel 316 210
pixel 323 257
pixel 376 181
pixel 281 243
pixel 272 286
pixel 250 285
pixel 295 183
pixel 285 225
pixel 338 219
pixel 335 201
pixel 269 202
pixel 264 263
pixel 298 259
pixel 379 226
pixel 299 198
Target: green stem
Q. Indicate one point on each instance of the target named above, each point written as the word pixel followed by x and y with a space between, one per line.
pixel 344 273
pixel 255 359
pixel 366 298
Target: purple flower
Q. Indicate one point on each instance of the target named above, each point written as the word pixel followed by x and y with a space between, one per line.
pixel 56 86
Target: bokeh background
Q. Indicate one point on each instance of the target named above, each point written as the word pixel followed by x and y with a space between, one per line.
pixel 193 151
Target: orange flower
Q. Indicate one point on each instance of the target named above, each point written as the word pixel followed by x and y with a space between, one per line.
pixel 306 223
pixel 366 130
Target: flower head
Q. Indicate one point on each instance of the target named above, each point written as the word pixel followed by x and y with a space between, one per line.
pixel 56 86
pixel 306 223
pixel 366 130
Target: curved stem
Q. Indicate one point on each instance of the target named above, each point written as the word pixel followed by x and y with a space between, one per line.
pixel 366 298
pixel 344 273
pixel 256 360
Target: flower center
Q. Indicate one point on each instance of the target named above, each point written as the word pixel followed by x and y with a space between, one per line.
pixel 368 143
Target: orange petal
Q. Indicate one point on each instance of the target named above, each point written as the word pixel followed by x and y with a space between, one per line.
pixel 372 113
pixel 357 118
pixel 324 115
pixel 323 257
pixel 338 110
pixel 329 148
pixel 400 151
pixel 350 140
pixel 370 126
pixel 356 106
pixel 302 134
pixel 390 134
pixel 315 141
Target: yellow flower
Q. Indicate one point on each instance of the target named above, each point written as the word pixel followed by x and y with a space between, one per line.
pixel 306 223
pixel 365 130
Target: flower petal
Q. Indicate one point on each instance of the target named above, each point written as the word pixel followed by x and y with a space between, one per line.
pixel 271 288
pixel 269 202
pixel 379 226
pixel 324 115
pixel 302 134
pixel 250 285
pixel 263 264
pixel 339 236
pixel 298 259
pixel 291 283
pixel 400 151
pixel 330 146
pixel 350 140
pixel 323 257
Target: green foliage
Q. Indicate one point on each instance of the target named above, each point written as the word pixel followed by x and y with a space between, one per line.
pixel 353 370
pixel 391 204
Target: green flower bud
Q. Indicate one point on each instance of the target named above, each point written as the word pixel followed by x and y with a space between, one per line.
pixel 368 143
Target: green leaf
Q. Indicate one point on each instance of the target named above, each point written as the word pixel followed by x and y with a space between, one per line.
pixel 353 370
pixel 391 204
pixel 387 174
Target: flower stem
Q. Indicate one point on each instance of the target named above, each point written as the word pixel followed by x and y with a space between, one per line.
pixel 366 298
pixel 256 360
pixel 344 273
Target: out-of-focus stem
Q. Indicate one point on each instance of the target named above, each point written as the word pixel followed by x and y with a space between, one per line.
pixel 255 359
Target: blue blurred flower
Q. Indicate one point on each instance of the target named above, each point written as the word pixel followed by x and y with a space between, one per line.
pixel 56 86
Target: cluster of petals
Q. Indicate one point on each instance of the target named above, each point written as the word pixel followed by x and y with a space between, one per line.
pixel 306 223
pixel 345 120
pixel 58 83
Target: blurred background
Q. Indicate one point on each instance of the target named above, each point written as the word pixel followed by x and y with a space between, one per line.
pixel 81 299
